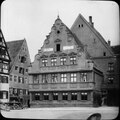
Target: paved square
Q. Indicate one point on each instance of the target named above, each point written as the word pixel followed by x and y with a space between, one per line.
pixel 83 113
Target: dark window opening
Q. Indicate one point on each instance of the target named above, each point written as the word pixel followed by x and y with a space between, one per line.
pixel 37 96
pixel 23 59
pixel 16 67
pixel 104 53
pixel 74 96
pixel 57 47
pixel 84 96
pixel 46 96
pixel 65 96
pixel 55 96
pixel 21 70
pixel 79 26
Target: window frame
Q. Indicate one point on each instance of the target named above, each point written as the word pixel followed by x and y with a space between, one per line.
pixel 44 78
pixel 53 61
pixel 54 78
pixel 74 96
pixel 63 78
pixel 58 44
pixel 73 77
pixel 65 96
pixel 35 79
pixel 63 60
pixel 45 96
pixel 83 77
pixel 110 66
pixel 55 96
pixel 84 96
pixel 73 60
pixel 44 62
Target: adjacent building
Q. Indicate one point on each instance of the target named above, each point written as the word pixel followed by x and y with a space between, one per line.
pixel 63 73
pixel 20 60
pixel 102 54
pixel 4 70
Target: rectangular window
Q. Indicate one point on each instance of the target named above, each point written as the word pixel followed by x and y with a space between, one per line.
pixel 110 80
pixel 53 61
pixel 44 62
pixel 83 77
pixel 21 70
pixel 73 96
pixel 15 78
pixel 62 61
pixel 15 91
pixel 4 94
pixel 44 78
pixel 37 96
pixel 11 91
pixel 110 66
pixel 73 60
pixel 84 96
pixel 65 96
pixel 10 77
pixel 3 79
pixel 35 79
pixel 23 59
pixel 46 96
pixel 63 77
pixel 21 92
pixel 5 68
pixel 73 77
pixel 16 67
pixel 25 80
pixel 54 78
pixel 26 70
pixel 58 47
pixel 55 96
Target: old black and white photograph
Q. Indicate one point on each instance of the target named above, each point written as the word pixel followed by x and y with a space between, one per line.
pixel 59 59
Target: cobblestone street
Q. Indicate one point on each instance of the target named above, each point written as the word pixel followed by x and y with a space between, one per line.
pixel 83 113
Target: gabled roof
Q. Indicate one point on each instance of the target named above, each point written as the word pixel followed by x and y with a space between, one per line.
pixel 94 31
pixel 14 47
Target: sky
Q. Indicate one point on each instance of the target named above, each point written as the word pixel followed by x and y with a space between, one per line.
pixel 33 19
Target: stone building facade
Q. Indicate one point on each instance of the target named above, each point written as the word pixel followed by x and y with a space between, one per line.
pixel 4 70
pixel 101 53
pixel 63 74
pixel 20 60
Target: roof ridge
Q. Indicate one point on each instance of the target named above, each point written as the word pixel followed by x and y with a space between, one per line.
pixel 15 41
pixel 95 31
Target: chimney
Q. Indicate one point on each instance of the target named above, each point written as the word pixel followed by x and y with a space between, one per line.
pixel 109 42
pixel 90 21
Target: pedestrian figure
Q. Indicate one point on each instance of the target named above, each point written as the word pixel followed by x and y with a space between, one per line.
pixel 28 103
